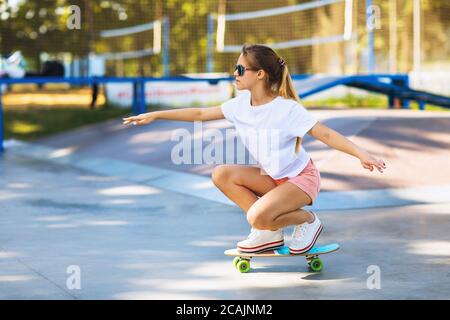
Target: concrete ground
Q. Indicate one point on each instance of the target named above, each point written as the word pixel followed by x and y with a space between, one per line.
pixel 132 228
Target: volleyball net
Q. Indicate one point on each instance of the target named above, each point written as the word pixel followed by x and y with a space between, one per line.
pixel 302 33
pixel 126 50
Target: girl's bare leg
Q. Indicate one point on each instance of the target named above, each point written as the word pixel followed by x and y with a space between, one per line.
pixel 280 207
pixel 277 207
pixel 242 184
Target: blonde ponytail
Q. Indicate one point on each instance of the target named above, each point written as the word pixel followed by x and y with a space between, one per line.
pixel 286 88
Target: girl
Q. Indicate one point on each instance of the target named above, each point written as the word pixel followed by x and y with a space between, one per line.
pixel 290 180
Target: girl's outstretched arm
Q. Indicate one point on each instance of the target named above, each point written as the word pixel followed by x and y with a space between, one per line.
pixel 337 141
pixel 185 114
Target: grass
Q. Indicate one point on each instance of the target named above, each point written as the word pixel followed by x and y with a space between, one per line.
pixel 36 123
pixel 350 101
pixel 370 101
pixel 31 113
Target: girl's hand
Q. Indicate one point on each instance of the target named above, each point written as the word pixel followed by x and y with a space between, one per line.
pixel 144 118
pixel 369 162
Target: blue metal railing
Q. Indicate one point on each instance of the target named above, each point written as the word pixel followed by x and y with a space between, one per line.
pixel 394 86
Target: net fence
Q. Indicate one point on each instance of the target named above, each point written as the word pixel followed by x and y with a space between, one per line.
pixel 156 38
pixel 301 33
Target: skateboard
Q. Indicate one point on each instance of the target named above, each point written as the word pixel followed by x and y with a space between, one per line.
pixel 242 259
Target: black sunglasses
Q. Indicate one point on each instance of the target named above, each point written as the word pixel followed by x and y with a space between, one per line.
pixel 241 69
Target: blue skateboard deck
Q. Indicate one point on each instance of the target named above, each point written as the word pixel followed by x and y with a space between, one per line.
pixel 242 259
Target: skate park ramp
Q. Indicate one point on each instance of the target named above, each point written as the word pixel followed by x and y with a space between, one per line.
pixel 107 201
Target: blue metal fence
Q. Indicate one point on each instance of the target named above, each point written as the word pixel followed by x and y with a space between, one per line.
pixel 394 86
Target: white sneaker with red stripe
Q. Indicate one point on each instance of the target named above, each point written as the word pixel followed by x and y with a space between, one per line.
pixel 305 236
pixel 261 240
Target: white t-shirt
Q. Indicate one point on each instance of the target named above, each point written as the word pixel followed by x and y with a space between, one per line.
pixel 269 132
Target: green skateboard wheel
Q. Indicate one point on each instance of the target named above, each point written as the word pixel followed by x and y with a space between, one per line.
pixel 235 261
pixel 316 265
pixel 243 266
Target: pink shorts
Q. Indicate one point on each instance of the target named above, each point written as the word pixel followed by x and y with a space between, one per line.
pixel 308 180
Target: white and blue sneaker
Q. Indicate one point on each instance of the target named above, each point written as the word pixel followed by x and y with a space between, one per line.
pixel 305 236
pixel 261 240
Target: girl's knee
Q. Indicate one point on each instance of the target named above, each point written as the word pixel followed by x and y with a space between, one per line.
pixel 258 218
pixel 220 174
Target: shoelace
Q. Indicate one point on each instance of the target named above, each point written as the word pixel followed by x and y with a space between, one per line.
pixel 300 231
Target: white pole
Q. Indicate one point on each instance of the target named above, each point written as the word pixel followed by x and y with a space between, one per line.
pixel 157 36
pixel 393 36
pixel 416 31
pixel 220 37
pixel 348 20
